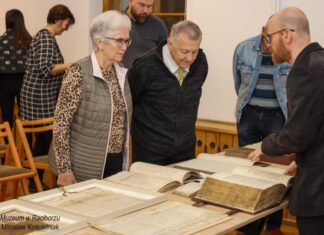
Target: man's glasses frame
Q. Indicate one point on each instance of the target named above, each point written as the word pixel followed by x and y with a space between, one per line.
pixel 119 41
pixel 268 37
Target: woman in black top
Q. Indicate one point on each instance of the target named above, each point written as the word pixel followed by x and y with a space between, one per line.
pixel 13 53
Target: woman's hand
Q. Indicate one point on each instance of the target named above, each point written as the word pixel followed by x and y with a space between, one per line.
pixel 65 179
pixel 60 68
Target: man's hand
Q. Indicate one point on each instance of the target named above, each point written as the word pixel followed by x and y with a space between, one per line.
pixel 255 155
pixel 291 169
pixel 65 179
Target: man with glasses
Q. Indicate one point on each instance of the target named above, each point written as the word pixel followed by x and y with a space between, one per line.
pixel 147 31
pixel 303 134
pixel 166 88
pixel 261 102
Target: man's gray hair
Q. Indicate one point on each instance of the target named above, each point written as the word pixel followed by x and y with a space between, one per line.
pixel 187 27
pixel 106 23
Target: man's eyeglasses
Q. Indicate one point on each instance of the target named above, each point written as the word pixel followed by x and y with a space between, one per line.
pixel 268 37
pixel 119 41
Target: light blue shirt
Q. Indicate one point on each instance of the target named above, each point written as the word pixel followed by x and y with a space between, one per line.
pixel 170 63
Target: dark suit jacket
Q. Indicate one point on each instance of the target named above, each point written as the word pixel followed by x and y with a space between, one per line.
pixel 303 132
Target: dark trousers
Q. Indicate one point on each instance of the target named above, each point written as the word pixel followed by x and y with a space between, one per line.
pixel 257 123
pixel 114 164
pixel 10 85
pixel 253 228
pixel 41 146
pixel 42 143
pixel 310 225
pixel 141 153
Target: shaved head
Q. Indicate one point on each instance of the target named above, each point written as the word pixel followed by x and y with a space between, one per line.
pixel 294 18
pixel 288 32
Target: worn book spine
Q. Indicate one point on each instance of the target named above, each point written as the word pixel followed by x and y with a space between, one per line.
pixel 245 198
pixel 230 194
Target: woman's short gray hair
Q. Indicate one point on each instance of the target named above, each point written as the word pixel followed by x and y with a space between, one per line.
pixel 188 28
pixel 106 23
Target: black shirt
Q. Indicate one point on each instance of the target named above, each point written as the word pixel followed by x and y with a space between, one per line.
pixel 12 59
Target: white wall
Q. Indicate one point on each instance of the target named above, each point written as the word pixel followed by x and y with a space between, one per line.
pixel 75 43
pixel 314 10
pixel 224 24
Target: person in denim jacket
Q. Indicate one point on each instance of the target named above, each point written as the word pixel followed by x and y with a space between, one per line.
pixel 261 107
pixel 246 70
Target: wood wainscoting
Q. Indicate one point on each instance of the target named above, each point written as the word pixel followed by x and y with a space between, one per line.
pixel 214 136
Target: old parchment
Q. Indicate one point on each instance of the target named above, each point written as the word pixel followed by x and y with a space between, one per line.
pixel 164 219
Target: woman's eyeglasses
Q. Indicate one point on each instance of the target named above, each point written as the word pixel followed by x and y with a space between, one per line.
pixel 119 41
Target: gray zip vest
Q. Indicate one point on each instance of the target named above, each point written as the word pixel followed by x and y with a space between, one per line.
pixel 90 128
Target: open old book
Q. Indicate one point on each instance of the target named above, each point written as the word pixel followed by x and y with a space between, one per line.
pixel 153 177
pixel 243 152
pixel 212 163
pixel 250 189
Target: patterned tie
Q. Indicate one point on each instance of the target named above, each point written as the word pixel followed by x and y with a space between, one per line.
pixel 180 77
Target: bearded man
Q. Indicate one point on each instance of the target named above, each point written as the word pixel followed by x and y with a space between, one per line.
pixel 147 31
pixel 288 36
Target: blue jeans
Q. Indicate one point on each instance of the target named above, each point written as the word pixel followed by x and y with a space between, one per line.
pixel 257 123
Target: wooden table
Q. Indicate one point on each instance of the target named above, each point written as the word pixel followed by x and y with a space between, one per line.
pixel 239 219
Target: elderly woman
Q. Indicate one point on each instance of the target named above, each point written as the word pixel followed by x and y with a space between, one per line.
pixel 94 108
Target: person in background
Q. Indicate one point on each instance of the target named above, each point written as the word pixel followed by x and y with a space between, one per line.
pixel 44 72
pixel 94 108
pixel 289 40
pixel 261 107
pixel 14 44
pixel 166 86
pixel 147 31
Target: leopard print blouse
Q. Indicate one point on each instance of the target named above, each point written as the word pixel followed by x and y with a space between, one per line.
pixel 68 103
pixel 117 132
